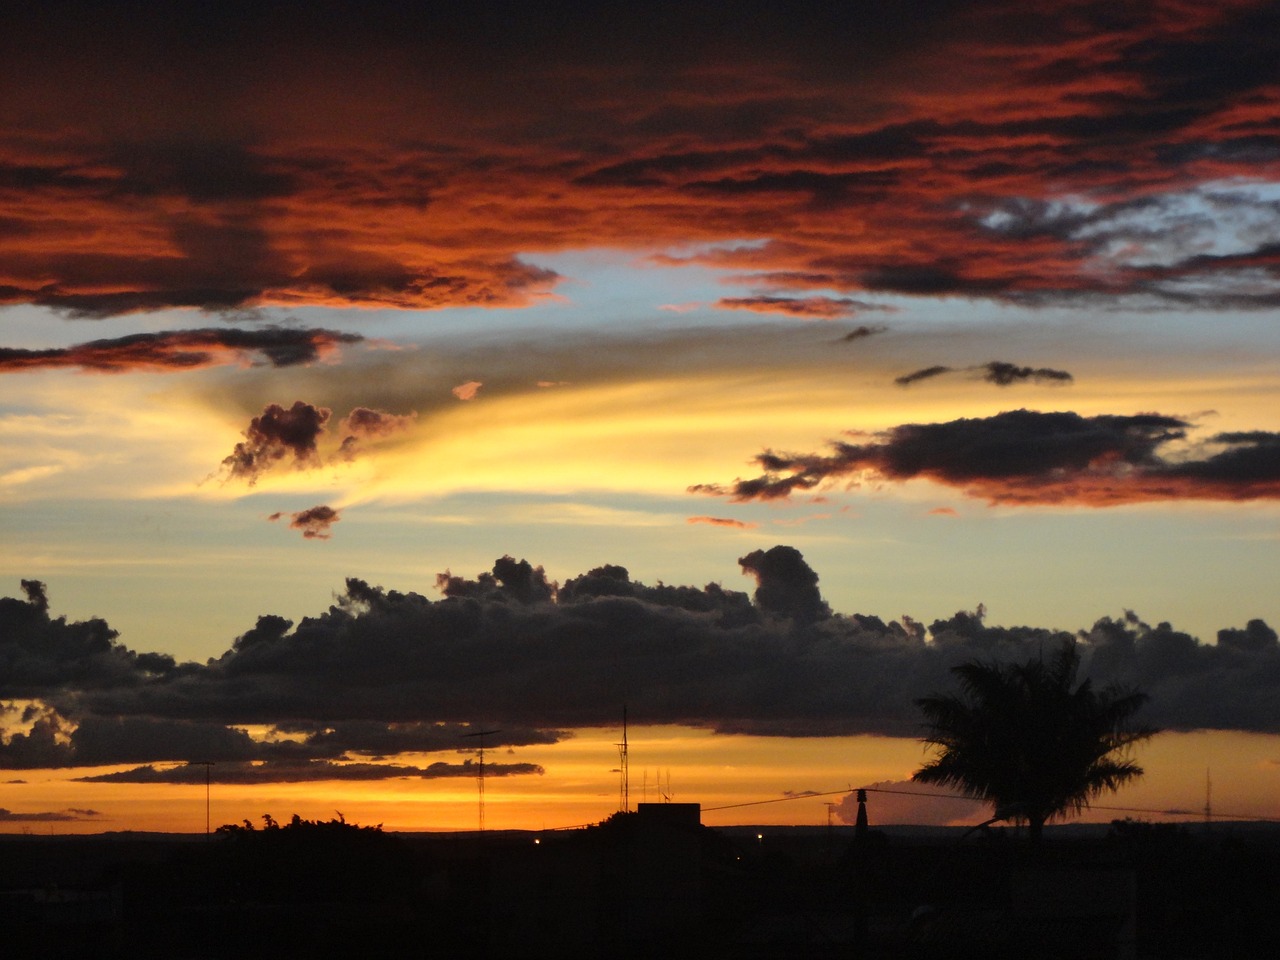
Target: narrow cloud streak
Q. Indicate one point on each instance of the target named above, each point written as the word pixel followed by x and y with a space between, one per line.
pixel 723 522
pixel 58 816
pixel 309 771
pixel 183 350
pixel 806 308
pixel 999 372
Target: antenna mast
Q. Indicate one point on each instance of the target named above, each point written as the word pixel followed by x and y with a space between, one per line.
pixel 480 775
pixel 624 797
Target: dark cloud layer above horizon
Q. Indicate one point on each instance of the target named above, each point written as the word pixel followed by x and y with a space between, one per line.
pixel 383 673
pixel 410 156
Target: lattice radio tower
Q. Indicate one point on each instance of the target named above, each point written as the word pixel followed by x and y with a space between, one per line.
pixel 480 773
pixel 624 792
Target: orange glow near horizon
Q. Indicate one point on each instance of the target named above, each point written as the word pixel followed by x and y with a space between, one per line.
pixel 736 780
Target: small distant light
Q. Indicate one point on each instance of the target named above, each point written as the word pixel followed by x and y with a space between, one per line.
pixel 537 840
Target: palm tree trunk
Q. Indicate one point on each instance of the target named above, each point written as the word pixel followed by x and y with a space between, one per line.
pixel 1035 830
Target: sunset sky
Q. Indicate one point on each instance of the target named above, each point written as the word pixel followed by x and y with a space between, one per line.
pixel 370 378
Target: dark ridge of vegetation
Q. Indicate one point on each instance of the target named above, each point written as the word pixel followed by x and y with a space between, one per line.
pixel 332 889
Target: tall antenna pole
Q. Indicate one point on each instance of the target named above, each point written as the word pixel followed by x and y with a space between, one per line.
pixel 480 775
pixel 624 797
pixel 1208 798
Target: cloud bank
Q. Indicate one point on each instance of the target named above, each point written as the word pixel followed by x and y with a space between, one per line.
pixel 383 673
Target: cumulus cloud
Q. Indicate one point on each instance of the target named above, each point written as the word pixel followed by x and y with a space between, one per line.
pixel 276 436
pixel 39 653
pixel 293 437
pixel 785 584
pixel 1028 457
pixel 383 673
pixel 183 350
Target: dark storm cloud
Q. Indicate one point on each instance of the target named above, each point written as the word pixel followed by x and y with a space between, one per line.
pixel 384 673
pixel 183 350
pixel 999 372
pixel 1028 457
pixel 39 653
pixel 276 436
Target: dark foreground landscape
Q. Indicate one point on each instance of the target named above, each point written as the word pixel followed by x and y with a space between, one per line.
pixel 649 884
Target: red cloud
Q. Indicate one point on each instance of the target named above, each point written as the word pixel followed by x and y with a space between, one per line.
pixel 959 150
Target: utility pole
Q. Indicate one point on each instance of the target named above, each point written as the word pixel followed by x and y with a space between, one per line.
pixel 208 778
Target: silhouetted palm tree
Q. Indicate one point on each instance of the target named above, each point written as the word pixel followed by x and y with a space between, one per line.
pixel 1026 738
